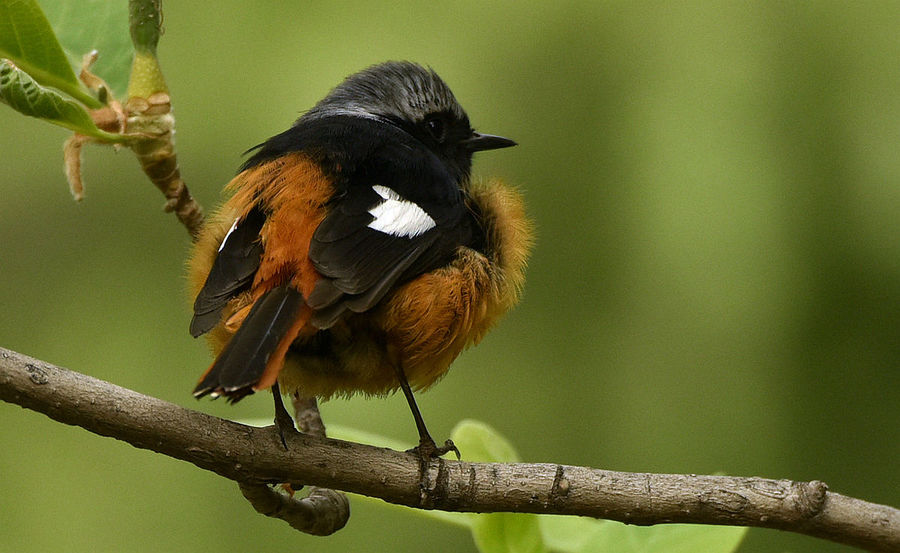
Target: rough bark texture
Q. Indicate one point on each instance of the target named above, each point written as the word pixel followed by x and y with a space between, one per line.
pixel 256 455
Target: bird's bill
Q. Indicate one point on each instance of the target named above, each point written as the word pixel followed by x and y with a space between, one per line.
pixel 480 142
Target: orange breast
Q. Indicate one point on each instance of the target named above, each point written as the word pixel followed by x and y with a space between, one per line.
pixel 431 319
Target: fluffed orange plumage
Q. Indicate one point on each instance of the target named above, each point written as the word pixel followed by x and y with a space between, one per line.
pixel 427 322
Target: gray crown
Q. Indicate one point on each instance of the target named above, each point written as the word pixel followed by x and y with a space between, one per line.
pixel 394 89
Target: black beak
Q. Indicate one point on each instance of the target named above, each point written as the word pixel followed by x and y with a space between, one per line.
pixel 479 142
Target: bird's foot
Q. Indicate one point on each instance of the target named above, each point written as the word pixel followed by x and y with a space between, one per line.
pixel 428 450
pixel 290 489
pixel 284 424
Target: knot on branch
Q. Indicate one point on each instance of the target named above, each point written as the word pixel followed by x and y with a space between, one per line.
pixel 810 497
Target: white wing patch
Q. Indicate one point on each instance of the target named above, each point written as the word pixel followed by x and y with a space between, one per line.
pixel 228 235
pixel 398 217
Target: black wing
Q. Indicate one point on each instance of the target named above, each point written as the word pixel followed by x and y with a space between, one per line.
pixel 360 263
pixel 363 257
pixel 232 271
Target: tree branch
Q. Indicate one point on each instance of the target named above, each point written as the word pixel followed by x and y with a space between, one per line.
pixel 255 455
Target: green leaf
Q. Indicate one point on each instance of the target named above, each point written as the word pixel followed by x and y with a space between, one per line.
pixel 23 94
pixel 362 437
pixel 102 25
pixel 27 39
pixel 570 534
pixel 480 443
pixel 340 432
pixel 584 535
pixel 522 532
pixel 688 538
pixel 508 533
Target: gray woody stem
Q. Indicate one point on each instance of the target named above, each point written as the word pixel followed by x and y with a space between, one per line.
pixel 247 454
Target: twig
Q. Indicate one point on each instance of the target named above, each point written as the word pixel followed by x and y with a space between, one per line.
pixel 153 121
pixel 149 115
pixel 306 413
pixel 248 454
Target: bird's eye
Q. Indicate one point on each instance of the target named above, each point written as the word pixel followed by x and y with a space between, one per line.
pixel 435 126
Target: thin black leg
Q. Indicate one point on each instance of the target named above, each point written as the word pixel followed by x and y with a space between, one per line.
pixel 283 421
pixel 426 448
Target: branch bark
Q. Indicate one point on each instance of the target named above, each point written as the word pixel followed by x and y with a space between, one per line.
pixel 255 455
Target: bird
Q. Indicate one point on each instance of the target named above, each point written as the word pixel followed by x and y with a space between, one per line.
pixel 356 253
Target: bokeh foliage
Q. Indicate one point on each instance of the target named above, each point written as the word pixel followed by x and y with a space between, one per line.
pixel 716 285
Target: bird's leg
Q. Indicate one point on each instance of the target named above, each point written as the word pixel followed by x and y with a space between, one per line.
pixel 283 421
pixel 426 449
pixel 306 413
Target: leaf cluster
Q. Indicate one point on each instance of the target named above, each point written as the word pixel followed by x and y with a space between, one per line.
pixel 47 56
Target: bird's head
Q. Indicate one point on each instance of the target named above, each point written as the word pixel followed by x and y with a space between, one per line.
pixel 416 100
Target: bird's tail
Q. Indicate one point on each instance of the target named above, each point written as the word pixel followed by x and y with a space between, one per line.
pixel 255 354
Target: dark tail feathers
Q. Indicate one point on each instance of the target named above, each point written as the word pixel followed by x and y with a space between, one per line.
pixel 244 360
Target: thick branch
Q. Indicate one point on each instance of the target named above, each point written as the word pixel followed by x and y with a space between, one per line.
pixel 247 454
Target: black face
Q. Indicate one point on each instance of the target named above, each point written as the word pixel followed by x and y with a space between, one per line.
pixel 453 140
pixel 445 134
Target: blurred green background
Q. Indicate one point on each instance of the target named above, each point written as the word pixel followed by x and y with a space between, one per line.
pixel 716 284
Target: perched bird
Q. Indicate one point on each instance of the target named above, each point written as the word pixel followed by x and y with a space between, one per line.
pixel 356 255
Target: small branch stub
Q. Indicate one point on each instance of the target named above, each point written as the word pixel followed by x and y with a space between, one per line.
pixel 321 513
